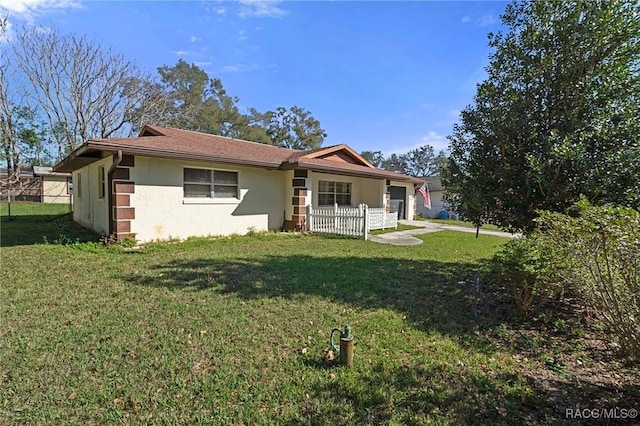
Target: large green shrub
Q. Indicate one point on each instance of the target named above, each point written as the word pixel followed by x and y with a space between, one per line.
pixel 603 247
pixel 527 268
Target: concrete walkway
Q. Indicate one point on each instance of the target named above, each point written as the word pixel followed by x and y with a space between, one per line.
pixel 406 238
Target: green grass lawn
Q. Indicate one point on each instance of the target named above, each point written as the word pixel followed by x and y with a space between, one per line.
pixel 235 331
pixel 400 227
pixel 32 223
pixel 461 223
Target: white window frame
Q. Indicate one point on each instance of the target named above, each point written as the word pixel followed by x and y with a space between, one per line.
pixel 212 184
pixel 334 193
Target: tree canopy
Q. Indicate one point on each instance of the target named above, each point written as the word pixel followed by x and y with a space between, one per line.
pixel 421 161
pixel 58 90
pixel 556 117
pixel 200 103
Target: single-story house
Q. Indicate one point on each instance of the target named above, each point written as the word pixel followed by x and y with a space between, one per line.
pixel 436 193
pixel 55 187
pixel 37 184
pixel 169 183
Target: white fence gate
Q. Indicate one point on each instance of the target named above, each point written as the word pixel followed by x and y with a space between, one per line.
pixel 351 221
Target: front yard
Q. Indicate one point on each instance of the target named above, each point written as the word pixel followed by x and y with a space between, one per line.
pixel 235 331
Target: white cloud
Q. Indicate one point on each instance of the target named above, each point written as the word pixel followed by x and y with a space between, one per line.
pixel 436 140
pixel 237 68
pixel 202 63
pixel 242 35
pixel 180 52
pixel 483 21
pixel 27 9
pixel 221 11
pixel 261 9
pixel 193 39
pixel 486 20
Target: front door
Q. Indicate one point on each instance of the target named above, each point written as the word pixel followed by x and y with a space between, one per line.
pixel 398 200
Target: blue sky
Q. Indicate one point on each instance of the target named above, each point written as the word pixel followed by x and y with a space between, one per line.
pixel 387 76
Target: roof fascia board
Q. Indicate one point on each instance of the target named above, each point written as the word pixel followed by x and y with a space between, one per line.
pixel 364 173
pixel 336 148
pixel 159 153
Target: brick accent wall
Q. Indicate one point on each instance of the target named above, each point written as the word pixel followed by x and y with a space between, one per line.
pixel 299 217
pixel 122 213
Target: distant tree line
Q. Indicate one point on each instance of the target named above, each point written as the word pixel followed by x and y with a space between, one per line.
pixel 58 91
pixel 421 161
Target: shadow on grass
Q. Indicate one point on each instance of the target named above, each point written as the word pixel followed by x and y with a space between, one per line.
pixel 434 296
pixel 35 229
pixel 431 294
pixel 428 394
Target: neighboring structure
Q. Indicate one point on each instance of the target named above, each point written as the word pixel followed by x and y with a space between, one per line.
pixel 436 193
pixel 55 187
pixel 169 183
pixel 38 184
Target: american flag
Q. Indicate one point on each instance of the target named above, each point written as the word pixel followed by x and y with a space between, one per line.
pixel 426 198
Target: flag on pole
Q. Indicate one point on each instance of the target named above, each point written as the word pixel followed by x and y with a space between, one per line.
pixel 426 198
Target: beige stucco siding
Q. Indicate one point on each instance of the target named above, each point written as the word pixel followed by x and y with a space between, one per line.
pixel 55 189
pixel 89 210
pixel 363 190
pixel 437 204
pixel 162 212
pixel 411 197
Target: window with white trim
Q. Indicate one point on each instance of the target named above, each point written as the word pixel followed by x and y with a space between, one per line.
pixel 206 183
pixel 330 193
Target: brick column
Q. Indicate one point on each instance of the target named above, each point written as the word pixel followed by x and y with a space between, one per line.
pixel 299 201
pixel 122 187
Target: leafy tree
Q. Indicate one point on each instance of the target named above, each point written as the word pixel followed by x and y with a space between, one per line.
pixel 254 127
pixel 200 103
pixel 374 157
pixel 396 163
pixel 557 116
pixel 294 128
pixel 423 161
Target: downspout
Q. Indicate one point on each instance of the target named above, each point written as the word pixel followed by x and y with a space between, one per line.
pixel 114 166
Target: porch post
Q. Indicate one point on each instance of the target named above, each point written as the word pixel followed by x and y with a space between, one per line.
pixel 387 197
pixel 299 201
pixel 366 221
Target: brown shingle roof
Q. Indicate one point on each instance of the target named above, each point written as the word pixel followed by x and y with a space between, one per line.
pixel 156 141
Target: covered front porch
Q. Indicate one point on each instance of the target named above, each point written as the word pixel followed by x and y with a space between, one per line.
pixel 322 193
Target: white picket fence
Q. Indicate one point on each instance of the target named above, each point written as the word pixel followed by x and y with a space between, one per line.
pixel 351 221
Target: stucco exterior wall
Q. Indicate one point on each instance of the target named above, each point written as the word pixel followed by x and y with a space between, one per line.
pixel 437 204
pixel 411 198
pixel 162 212
pixel 55 190
pixel 88 209
pixel 363 190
